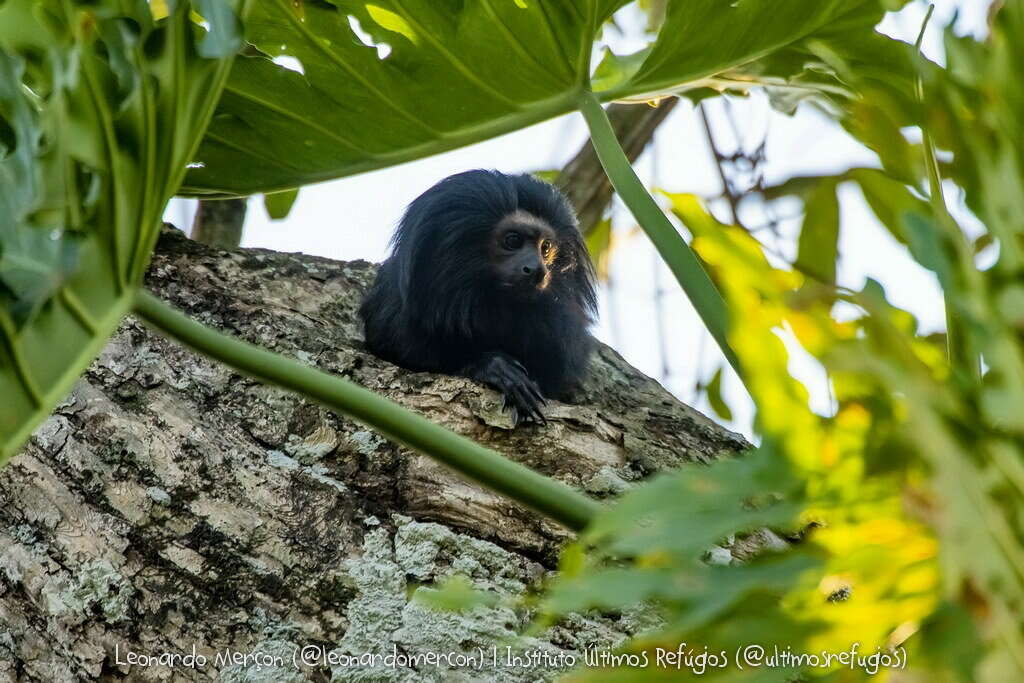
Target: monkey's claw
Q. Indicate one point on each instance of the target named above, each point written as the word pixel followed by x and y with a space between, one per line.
pixel 522 396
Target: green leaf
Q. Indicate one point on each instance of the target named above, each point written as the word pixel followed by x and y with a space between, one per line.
pixel 599 244
pixel 455 594
pixel 548 175
pixel 426 76
pixel 818 246
pixel 572 561
pixel 648 549
pixel 799 186
pixel 702 591
pixel 224 38
pixel 279 204
pixel 814 68
pixel 714 391
pixel 927 246
pixel 952 642
pixel 685 512
pixel 701 38
pixel 891 200
pixel 615 70
pixel 100 110
pixel 456 73
pixel 33 265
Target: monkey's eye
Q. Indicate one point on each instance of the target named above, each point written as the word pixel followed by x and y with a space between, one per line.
pixel 513 240
pixel 546 248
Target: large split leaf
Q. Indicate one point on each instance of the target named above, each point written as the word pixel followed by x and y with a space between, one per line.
pixel 705 37
pixel 100 110
pixel 383 82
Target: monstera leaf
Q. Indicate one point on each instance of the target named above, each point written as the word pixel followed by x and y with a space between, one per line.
pixel 371 84
pixel 101 108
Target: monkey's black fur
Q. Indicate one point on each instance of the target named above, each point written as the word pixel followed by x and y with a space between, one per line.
pixel 457 296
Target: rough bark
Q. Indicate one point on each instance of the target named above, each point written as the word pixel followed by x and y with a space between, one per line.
pixel 171 506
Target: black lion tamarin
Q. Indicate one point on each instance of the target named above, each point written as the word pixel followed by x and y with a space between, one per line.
pixel 489 278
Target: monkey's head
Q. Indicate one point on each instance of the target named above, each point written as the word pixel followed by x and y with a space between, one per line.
pixel 487 238
pixel 523 250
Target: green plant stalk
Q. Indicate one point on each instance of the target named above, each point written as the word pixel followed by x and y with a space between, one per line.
pixel 547 496
pixel 681 260
pixel 958 350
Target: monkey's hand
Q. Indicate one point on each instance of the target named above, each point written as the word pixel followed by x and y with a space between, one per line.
pixel 507 375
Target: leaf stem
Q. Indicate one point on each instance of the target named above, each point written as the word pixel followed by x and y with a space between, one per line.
pixel 22 369
pixel 958 349
pixel 77 310
pixel 547 496
pixel 681 260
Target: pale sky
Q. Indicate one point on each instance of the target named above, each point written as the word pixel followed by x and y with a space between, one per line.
pixel 353 217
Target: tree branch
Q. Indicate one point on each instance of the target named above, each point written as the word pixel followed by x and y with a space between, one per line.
pixel 219 222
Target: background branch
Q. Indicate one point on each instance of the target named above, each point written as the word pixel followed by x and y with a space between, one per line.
pixel 219 222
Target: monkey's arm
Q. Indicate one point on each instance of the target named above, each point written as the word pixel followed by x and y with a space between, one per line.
pixel 507 375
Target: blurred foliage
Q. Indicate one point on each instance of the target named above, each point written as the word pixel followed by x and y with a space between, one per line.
pixel 279 204
pixel 903 507
pixel 599 243
pixel 101 108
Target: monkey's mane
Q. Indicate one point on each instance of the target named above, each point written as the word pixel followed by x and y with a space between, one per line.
pixel 440 256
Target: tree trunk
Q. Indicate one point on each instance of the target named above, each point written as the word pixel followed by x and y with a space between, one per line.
pixel 172 507
pixel 220 222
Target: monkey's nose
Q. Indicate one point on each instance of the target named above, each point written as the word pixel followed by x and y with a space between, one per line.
pixel 534 274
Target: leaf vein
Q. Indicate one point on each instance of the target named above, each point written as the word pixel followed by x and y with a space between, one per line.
pixel 457 63
pixel 332 56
